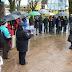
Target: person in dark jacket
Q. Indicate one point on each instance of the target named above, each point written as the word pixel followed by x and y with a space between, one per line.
pixel 36 24
pixel 51 24
pixel 31 21
pixel 22 42
pixel 5 37
pixel 65 23
pixel 70 35
pixel 62 22
pixel 40 23
pixel 46 24
pixel 58 24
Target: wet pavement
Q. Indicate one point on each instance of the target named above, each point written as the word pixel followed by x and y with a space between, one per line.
pixel 47 53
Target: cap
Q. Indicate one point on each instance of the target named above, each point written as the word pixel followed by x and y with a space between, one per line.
pixel 3 21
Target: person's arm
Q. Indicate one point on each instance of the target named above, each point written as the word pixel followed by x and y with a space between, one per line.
pixel 26 36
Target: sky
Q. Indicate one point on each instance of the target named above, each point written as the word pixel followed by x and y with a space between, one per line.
pixel 23 2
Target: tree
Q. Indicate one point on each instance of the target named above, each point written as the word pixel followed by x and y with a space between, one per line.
pixel 70 7
pixel 2 9
pixel 7 6
pixel 13 6
pixel 18 4
pixel 33 4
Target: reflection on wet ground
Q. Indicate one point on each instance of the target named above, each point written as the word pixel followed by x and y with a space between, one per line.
pixel 47 53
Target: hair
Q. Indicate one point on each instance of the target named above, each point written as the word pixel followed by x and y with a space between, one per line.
pixel 66 17
pixel 20 26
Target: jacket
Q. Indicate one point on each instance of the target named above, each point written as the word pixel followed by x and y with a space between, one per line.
pixel 22 40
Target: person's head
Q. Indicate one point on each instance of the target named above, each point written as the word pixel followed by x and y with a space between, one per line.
pixel 20 26
pixel 65 17
pixel 58 16
pixel 62 17
pixel 20 19
pixel 8 22
pixel 4 22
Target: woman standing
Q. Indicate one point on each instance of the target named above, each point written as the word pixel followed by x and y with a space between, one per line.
pixel 5 37
pixel 36 24
pixel 11 32
pixel 51 24
pixel 22 42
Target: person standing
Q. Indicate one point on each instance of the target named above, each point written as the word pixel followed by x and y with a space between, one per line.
pixel 25 23
pixel 62 22
pixel 58 24
pixel 36 24
pixel 46 24
pixel 11 32
pixel 31 21
pixel 51 24
pixel 22 42
pixel 5 37
pixel 65 23
pixel 40 23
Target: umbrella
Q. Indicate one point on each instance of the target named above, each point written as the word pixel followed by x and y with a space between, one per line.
pixel 62 14
pixel 18 12
pixel 34 13
pixel 25 15
pixel 11 17
pixel 43 11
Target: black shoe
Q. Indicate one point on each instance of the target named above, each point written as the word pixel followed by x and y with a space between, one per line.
pixel 70 47
pixel 36 34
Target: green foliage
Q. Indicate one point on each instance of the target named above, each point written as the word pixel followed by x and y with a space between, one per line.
pixel 7 6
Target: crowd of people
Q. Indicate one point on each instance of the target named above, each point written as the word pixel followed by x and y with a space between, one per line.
pixel 19 27
pixel 50 22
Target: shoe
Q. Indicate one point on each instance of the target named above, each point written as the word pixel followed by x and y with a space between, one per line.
pixel 36 34
pixel 70 47
pixel 24 64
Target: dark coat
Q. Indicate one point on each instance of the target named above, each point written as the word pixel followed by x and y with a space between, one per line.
pixel 22 40
pixel 31 21
pixel 40 20
pixel 62 23
pixel 51 23
pixel 36 23
pixel 3 38
pixel 46 22
pixel 57 22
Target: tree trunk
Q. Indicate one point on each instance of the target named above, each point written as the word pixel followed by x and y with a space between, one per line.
pixel 70 7
pixel 2 9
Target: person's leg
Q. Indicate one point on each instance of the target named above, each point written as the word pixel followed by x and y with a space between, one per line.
pixel 39 29
pixel 22 58
pixel 6 47
pixel 36 31
pixel 46 29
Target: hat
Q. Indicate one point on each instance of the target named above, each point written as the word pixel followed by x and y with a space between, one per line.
pixel 3 21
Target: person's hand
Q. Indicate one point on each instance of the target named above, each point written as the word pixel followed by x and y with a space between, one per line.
pixel 32 33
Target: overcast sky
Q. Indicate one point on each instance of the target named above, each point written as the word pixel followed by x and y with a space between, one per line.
pixel 23 2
